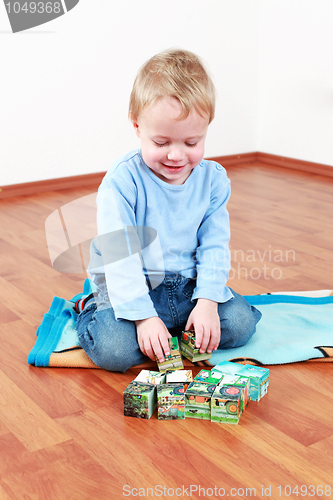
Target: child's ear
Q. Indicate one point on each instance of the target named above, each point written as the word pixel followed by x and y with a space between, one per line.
pixel 136 128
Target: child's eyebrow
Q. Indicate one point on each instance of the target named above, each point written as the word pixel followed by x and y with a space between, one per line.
pixel 165 138
pixel 195 138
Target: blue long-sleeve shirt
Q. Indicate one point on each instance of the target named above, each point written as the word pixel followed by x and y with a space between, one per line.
pixel 148 227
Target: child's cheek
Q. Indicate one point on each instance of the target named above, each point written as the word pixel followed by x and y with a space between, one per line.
pixel 150 154
pixel 158 155
pixel 197 155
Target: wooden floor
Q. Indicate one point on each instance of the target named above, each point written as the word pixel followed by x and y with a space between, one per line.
pixel 62 431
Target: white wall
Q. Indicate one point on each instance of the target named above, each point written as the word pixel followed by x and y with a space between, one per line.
pixel 296 79
pixel 65 85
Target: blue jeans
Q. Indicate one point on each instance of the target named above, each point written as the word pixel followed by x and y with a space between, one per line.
pixel 113 344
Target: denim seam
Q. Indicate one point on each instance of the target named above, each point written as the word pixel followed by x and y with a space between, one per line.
pixel 172 285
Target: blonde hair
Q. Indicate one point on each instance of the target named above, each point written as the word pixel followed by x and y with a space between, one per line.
pixel 174 73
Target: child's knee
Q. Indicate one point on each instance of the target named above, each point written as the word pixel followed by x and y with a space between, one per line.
pixel 240 330
pixel 110 358
pixel 238 326
pixel 110 344
pixel 105 351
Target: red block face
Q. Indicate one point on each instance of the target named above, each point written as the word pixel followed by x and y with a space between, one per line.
pixel 199 399
pixel 232 390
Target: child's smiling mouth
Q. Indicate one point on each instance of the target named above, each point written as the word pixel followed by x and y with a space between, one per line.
pixel 173 167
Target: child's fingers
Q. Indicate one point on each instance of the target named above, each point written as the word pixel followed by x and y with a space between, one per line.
pixel 160 346
pixel 165 344
pixel 156 346
pixel 148 350
pixel 214 340
pixel 198 336
pixel 189 325
pixel 204 341
pixel 142 348
pixel 152 337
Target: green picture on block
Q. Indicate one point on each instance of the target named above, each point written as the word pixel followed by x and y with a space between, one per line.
pixel 174 360
pixel 188 349
pixel 139 400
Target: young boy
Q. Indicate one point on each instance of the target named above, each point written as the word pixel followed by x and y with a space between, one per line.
pixel 161 259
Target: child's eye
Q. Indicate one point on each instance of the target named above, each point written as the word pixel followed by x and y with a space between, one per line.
pixel 191 145
pixel 160 144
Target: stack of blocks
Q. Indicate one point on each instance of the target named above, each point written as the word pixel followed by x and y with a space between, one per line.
pixel 188 349
pixel 220 394
pixel 174 360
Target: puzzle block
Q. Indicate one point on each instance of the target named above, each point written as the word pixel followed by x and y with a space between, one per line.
pixel 188 349
pixel 184 377
pixel 259 380
pixel 139 400
pixel 150 377
pixel 226 404
pixel 240 382
pixel 244 382
pixel 174 360
pixel 197 400
pixel 259 377
pixel 170 402
pixel 209 376
pixel 228 367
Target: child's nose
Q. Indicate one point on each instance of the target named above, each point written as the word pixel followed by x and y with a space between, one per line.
pixel 176 154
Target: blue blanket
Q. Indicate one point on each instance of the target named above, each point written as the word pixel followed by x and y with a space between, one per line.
pixel 57 343
pixel 292 328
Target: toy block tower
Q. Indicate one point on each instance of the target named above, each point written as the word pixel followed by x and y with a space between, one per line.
pixel 188 349
pixel 174 360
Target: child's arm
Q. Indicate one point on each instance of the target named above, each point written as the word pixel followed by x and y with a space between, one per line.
pixel 118 251
pixel 212 265
pixel 205 321
pixel 153 338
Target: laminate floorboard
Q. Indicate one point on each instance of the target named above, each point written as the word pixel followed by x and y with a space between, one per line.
pixel 63 435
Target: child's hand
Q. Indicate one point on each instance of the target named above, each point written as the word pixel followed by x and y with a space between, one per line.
pixel 205 321
pixel 153 338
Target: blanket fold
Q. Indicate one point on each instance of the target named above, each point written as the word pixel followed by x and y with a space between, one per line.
pixel 57 343
pixel 295 327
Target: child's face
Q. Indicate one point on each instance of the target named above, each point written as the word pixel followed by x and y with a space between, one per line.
pixel 170 147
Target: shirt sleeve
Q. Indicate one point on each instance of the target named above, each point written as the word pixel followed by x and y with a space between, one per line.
pixel 213 254
pixel 119 245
